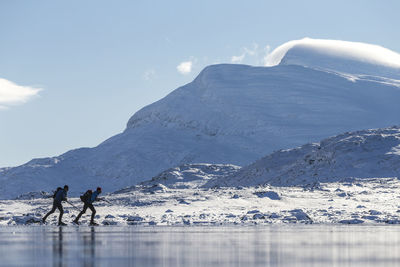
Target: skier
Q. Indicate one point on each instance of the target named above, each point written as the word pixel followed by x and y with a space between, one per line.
pixel 88 198
pixel 59 195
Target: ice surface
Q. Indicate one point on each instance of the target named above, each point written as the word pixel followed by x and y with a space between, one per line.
pixel 200 246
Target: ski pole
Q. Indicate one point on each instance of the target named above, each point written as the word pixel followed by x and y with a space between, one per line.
pixel 46 195
pixel 73 205
pixel 124 205
pixel 106 201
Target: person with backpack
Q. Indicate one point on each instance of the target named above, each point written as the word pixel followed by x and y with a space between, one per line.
pixel 59 195
pixel 88 198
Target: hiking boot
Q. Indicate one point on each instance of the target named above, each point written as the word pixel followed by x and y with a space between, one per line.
pixel 61 224
pixel 93 224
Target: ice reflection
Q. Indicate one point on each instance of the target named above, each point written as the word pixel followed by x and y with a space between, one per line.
pixel 83 249
pixel 297 245
pixel 58 252
pixel 89 248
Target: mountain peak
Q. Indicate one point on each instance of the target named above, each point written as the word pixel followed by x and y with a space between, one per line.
pixel 338 56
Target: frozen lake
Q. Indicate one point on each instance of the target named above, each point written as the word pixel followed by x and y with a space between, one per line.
pixel 277 245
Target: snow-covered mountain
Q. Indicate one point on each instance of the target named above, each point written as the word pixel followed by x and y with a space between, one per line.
pixel 230 114
pixel 360 154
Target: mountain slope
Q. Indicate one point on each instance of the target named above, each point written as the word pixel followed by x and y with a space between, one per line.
pixel 230 114
pixel 361 154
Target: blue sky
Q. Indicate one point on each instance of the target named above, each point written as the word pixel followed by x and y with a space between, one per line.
pixel 73 72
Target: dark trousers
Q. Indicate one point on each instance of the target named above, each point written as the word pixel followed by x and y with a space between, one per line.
pixel 56 205
pixel 85 207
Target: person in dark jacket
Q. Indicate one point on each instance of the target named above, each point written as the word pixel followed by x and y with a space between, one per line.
pixel 89 204
pixel 59 196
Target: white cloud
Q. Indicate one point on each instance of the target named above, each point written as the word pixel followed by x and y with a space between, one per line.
pixel 267 50
pixel 13 94
pixel 238 59
pixel 251 52
pixel 185 67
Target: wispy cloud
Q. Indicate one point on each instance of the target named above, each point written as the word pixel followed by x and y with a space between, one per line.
pixel 185 67
pixel 238 59
pixel 168 40
pixel 267 52
pixel 13 94
pixel 246 52
pixel 254 55
pixel 149 75
pixel 251 51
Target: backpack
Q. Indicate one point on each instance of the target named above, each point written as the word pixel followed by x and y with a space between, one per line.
pixel 85 197
pixel 55 193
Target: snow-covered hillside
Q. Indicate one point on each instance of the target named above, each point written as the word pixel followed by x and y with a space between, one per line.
pixel 361 154
pixel 230 114
pixel 191 175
